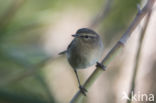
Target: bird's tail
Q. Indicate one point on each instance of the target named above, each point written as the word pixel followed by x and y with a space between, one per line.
pixel 61 53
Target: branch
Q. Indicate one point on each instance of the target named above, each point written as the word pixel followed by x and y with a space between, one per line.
pixel 30 69
pixel 46 88
pixel 26 73
pixel 7 16
pixel 138 55
pixel 114 51
pixel 102 15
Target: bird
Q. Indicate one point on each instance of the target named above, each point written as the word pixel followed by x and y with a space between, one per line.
pixel 85 50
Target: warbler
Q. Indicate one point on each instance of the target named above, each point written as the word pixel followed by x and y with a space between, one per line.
pixel 84 51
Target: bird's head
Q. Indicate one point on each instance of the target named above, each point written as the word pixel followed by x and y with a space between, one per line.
pixel 86 35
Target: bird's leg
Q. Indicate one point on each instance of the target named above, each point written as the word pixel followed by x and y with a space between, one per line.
pixel 100 65
pixel 82 89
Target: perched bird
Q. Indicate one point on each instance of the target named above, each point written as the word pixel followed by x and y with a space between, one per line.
pixel 84 51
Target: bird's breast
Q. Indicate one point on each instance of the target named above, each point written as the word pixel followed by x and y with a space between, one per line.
pixel 83 56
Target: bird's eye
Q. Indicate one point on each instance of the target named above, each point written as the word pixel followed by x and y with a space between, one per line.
pixel 86 36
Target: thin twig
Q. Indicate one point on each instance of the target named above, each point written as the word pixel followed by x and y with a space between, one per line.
pixel 46 88
pixel 114 51
pixel 102 15
pixel 30 69
pixel 138 55
pixel 10 12
pixel 26 73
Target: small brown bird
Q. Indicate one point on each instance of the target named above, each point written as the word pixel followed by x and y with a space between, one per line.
pixel 84 51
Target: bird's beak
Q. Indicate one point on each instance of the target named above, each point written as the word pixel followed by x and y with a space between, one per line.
pixel 75 35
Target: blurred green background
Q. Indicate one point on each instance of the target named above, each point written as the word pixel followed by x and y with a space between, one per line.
pixel 24 25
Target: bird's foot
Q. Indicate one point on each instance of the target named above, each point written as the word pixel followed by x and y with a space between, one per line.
pixel 83 90
pixel 99 65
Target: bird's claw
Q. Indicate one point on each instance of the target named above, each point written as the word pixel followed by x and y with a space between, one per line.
pixel 83 90
pixel 99 65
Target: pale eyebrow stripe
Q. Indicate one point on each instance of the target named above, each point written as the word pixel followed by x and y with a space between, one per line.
pixel 93 35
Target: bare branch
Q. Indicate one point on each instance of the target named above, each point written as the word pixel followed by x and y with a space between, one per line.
pixel 101 16
pixel 138 55
pixel 26 73
pixel 5 18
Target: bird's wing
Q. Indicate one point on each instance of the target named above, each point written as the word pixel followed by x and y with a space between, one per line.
pixel 63 52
